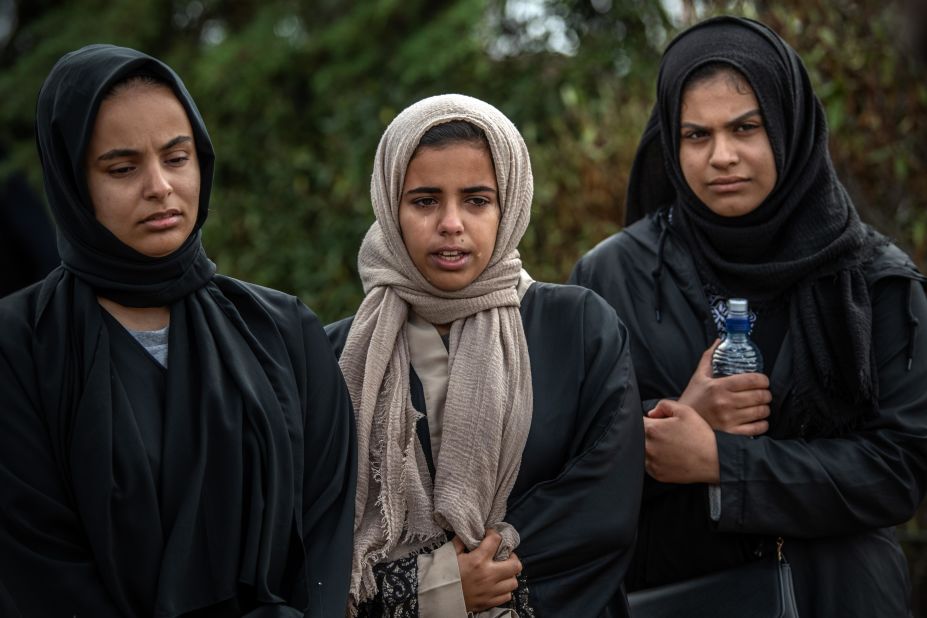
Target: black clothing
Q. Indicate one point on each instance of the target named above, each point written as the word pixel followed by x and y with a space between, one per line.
pixel 154 502
pixel 230 488
pixel 27 238
pixel 576 498
pixel 834 500
pixel 845 456
pixel 65 116
pixel 805 244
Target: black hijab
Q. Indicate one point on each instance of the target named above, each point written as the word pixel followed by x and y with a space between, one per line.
pixel 803 245
pixel 65 116
pixel 220 513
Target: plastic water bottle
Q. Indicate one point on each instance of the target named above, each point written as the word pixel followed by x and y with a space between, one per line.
pixel 736 353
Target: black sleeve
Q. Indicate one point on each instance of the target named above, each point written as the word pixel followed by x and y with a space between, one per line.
pixel 872 478
pixel 578 529
pixel 614 274
pixel 329 476
pixel 46 565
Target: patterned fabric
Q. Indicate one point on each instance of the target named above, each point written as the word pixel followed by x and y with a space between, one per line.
pixel 520 601
pixel 397 582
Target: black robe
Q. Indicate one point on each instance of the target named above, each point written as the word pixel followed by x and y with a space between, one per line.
pixel 222 485
pixel 834 500
pixel 575 501
pixel 48 564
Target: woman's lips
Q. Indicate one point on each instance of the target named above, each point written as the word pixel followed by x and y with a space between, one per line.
pixel 450 259
pixel 729 184
pixel 161 221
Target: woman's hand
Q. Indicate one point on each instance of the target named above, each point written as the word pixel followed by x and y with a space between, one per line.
pixel 486 582
pixel 680 447
pixel 736 404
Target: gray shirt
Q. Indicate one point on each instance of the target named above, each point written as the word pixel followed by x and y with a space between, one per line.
pixel 155 341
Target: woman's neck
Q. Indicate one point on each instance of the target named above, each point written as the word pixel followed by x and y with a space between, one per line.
pixel 137 318
pixel 442 329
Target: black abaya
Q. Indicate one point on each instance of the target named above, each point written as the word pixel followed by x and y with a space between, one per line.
pixel 105 515
pixel 575 500
pixel 236 492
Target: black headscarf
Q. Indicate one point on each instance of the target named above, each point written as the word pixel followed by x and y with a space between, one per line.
pixel 804 245
pixel 65 116
pixel 223 510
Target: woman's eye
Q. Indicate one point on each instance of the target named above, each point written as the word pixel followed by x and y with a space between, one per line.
pixel 178 160
pixel 748 126
pixel 479 200
pixel 693 135
pixel 424 202
pixel 122 170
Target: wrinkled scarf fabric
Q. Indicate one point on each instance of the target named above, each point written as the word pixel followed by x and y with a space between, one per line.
pixel 184 544
pixel 489 397
pixel 805 243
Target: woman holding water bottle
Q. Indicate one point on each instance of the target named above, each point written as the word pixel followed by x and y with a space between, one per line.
pixel 733 195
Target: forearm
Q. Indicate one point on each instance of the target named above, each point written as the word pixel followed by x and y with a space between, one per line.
pixel 815 488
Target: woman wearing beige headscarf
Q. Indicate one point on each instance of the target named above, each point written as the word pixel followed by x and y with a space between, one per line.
pixel 499 428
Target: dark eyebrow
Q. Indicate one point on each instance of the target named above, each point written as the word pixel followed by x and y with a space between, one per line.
pixel 129 152
pixel 180 139
pixel 744 116
pixel 476 189
pixel 730 123
pixel 116 153
pixel 424 190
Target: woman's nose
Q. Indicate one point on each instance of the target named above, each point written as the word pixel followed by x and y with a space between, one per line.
pixel 451 222
pixel 724 152
pixel 157 185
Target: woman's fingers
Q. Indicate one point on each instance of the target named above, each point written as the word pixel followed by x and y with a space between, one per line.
pixel 704 363
pixel 508 568
pixel 487 582
pixel 757 428
pixel 744 382
pixel 497 601
pixel 489 546
pixel 732 420
pixel 518 563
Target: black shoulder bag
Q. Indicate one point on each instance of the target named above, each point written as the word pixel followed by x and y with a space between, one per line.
pixel 761 589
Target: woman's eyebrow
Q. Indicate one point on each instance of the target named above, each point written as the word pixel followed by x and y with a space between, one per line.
pixel 691 125
pixel 729 123
pixel 424 190
pixel 742 117
pixel 180 139
pixel 115 153
pixel 478 189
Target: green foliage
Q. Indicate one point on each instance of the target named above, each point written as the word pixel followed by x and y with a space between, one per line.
pixel 297 94
pixel 296 98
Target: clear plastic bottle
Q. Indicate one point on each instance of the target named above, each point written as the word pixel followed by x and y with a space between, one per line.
pixel 736 353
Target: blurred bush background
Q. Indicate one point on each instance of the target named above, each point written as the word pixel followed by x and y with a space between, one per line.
pixel 297 94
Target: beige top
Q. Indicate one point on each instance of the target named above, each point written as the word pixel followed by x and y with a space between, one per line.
pixel 440 594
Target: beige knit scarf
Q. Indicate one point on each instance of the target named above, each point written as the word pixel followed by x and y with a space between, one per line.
pixel 489 397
